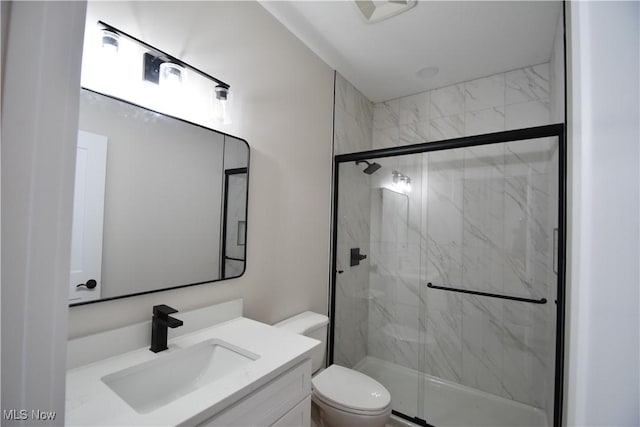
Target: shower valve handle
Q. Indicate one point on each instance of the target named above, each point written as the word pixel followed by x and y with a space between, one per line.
pixel 356 257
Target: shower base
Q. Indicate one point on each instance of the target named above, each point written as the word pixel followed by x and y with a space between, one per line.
pixel 447 403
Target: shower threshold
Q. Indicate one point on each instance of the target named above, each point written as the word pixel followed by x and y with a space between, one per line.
pixel 447 403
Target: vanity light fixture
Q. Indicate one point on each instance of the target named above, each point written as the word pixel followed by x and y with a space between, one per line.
pixel 110 40
pixel 161 68
pixel 401 182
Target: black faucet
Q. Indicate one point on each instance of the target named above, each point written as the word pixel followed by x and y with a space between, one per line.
pixel 159 324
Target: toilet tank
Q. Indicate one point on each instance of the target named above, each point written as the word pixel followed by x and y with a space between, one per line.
pixel 312 325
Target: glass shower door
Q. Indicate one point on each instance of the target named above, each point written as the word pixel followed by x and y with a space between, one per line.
pixel 377 329
pixel 448 285
pixel 489 283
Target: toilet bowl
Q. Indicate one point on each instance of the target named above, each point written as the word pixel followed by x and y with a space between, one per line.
pixel 345 397
pixel 341 396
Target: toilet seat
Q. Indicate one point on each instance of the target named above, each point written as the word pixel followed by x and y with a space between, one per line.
pixel 351 391
pixel 315 397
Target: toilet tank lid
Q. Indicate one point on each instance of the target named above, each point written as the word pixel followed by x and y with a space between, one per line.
pixel 303 323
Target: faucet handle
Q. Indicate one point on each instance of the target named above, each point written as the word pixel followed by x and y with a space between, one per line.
pixel 163 311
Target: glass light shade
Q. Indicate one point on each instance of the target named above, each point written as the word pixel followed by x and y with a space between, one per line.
pixel 220 105
pixel 171 75
pixel 220 112
pixel 110 41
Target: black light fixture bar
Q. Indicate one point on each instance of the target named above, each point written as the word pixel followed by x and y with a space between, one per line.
pixel 160 53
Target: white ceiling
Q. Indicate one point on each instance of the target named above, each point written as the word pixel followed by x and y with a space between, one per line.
pixel 464 39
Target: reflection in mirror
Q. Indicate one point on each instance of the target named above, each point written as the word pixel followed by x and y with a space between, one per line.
pixel 159 202
pixel 234 224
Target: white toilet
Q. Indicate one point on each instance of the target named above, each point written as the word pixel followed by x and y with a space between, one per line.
pixel 342 396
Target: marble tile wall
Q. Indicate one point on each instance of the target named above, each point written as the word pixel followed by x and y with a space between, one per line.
pixel 505 250
pixel 353 125
pixel 556 77
pixel 505 101
pixel 353 119
pixel 485 223
pixel 394 279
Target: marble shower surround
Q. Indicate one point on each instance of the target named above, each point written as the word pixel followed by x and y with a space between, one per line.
pixel 353 124
pixel 353 119
pixel 488 228
pixel 482 222
pixel 500 350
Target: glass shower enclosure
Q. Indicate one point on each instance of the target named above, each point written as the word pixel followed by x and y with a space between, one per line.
pixel 448 276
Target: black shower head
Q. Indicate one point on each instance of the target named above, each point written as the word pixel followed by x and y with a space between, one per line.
pixel 371 167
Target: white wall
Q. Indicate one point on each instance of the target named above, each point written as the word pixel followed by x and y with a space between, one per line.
pixel 603 342
pixel 39 134
pixel 282 94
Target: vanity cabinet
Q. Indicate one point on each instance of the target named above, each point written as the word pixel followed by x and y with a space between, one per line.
pixel 284 402
pixel 236 373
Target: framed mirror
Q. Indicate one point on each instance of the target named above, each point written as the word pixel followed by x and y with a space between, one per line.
pixel 160 203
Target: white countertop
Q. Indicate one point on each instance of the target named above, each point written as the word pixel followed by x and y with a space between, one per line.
pixel 89 401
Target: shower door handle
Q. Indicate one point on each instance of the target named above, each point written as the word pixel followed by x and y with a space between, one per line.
pixel 356 257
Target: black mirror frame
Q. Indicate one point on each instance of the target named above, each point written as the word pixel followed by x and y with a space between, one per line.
pixel 248 168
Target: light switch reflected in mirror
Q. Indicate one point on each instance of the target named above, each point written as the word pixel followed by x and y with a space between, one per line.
pixel 159 202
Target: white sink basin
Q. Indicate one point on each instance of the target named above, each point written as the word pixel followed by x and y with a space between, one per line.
pixel 153 384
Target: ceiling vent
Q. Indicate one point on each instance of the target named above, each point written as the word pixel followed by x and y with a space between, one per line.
pixel 376 10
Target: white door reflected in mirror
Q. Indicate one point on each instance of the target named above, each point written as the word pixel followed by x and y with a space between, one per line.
pixel 88 217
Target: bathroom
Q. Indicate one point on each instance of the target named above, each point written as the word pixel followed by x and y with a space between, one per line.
pixel 283 106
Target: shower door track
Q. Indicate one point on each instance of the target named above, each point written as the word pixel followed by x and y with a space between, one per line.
pixel 462 142
pixel 554 130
